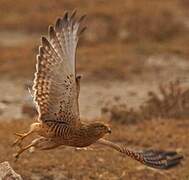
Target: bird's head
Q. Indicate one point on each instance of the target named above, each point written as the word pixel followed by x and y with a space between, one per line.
pixel 100 129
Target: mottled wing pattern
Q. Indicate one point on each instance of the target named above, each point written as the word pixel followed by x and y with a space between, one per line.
pixel 152 158
pixel 55 87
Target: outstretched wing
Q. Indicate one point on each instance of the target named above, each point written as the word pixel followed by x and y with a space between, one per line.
pixel 155 159
pixel 55 87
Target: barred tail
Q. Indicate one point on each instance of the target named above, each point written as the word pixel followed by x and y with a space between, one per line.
pixel 155 159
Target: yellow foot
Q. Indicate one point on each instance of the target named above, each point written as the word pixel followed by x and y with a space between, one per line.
pixel 19 139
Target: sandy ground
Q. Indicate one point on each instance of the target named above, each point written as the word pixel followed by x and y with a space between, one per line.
pixel 93 96
pixel 147 47
pixel 99 162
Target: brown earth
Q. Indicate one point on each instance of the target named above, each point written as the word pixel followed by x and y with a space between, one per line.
pixel 101 163
pixel 130 48
pixel 122 39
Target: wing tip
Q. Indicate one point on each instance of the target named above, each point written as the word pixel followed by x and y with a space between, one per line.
pixel 58 25
pixel 74 12
pixel 70 20
pixel 51 32
pixel 82 18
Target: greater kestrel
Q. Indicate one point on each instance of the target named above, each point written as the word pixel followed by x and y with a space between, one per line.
pixel 56 91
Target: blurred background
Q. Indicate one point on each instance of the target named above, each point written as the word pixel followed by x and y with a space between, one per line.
pixel 134 58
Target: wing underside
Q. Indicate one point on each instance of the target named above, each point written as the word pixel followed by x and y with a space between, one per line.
pixel 55 87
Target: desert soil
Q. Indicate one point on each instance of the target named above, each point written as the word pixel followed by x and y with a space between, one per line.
pixel 129 49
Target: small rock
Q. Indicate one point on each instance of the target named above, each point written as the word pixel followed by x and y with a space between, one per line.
pixel 7 173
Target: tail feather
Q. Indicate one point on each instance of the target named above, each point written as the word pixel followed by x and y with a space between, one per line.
pixel 155 159
pixel 160 159
pixel 157 155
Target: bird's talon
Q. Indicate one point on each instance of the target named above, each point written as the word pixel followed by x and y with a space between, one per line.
pixel 16 156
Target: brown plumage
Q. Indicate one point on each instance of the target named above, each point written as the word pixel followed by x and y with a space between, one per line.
pixel 56 92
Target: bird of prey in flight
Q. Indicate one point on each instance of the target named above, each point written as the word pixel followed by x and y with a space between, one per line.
pixel 56 92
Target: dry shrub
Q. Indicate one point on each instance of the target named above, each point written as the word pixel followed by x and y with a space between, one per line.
pixel 171 103
pixel 119 112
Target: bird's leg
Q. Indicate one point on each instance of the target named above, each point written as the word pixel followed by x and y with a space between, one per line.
pixel 34 143
pixel 39 143
pixel 21 136
pixel 21 150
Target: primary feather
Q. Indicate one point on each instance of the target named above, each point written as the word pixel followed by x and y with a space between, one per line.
pixel 55 86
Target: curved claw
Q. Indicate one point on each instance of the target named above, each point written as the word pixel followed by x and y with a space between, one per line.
pixel 16 156
pixel 21 150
